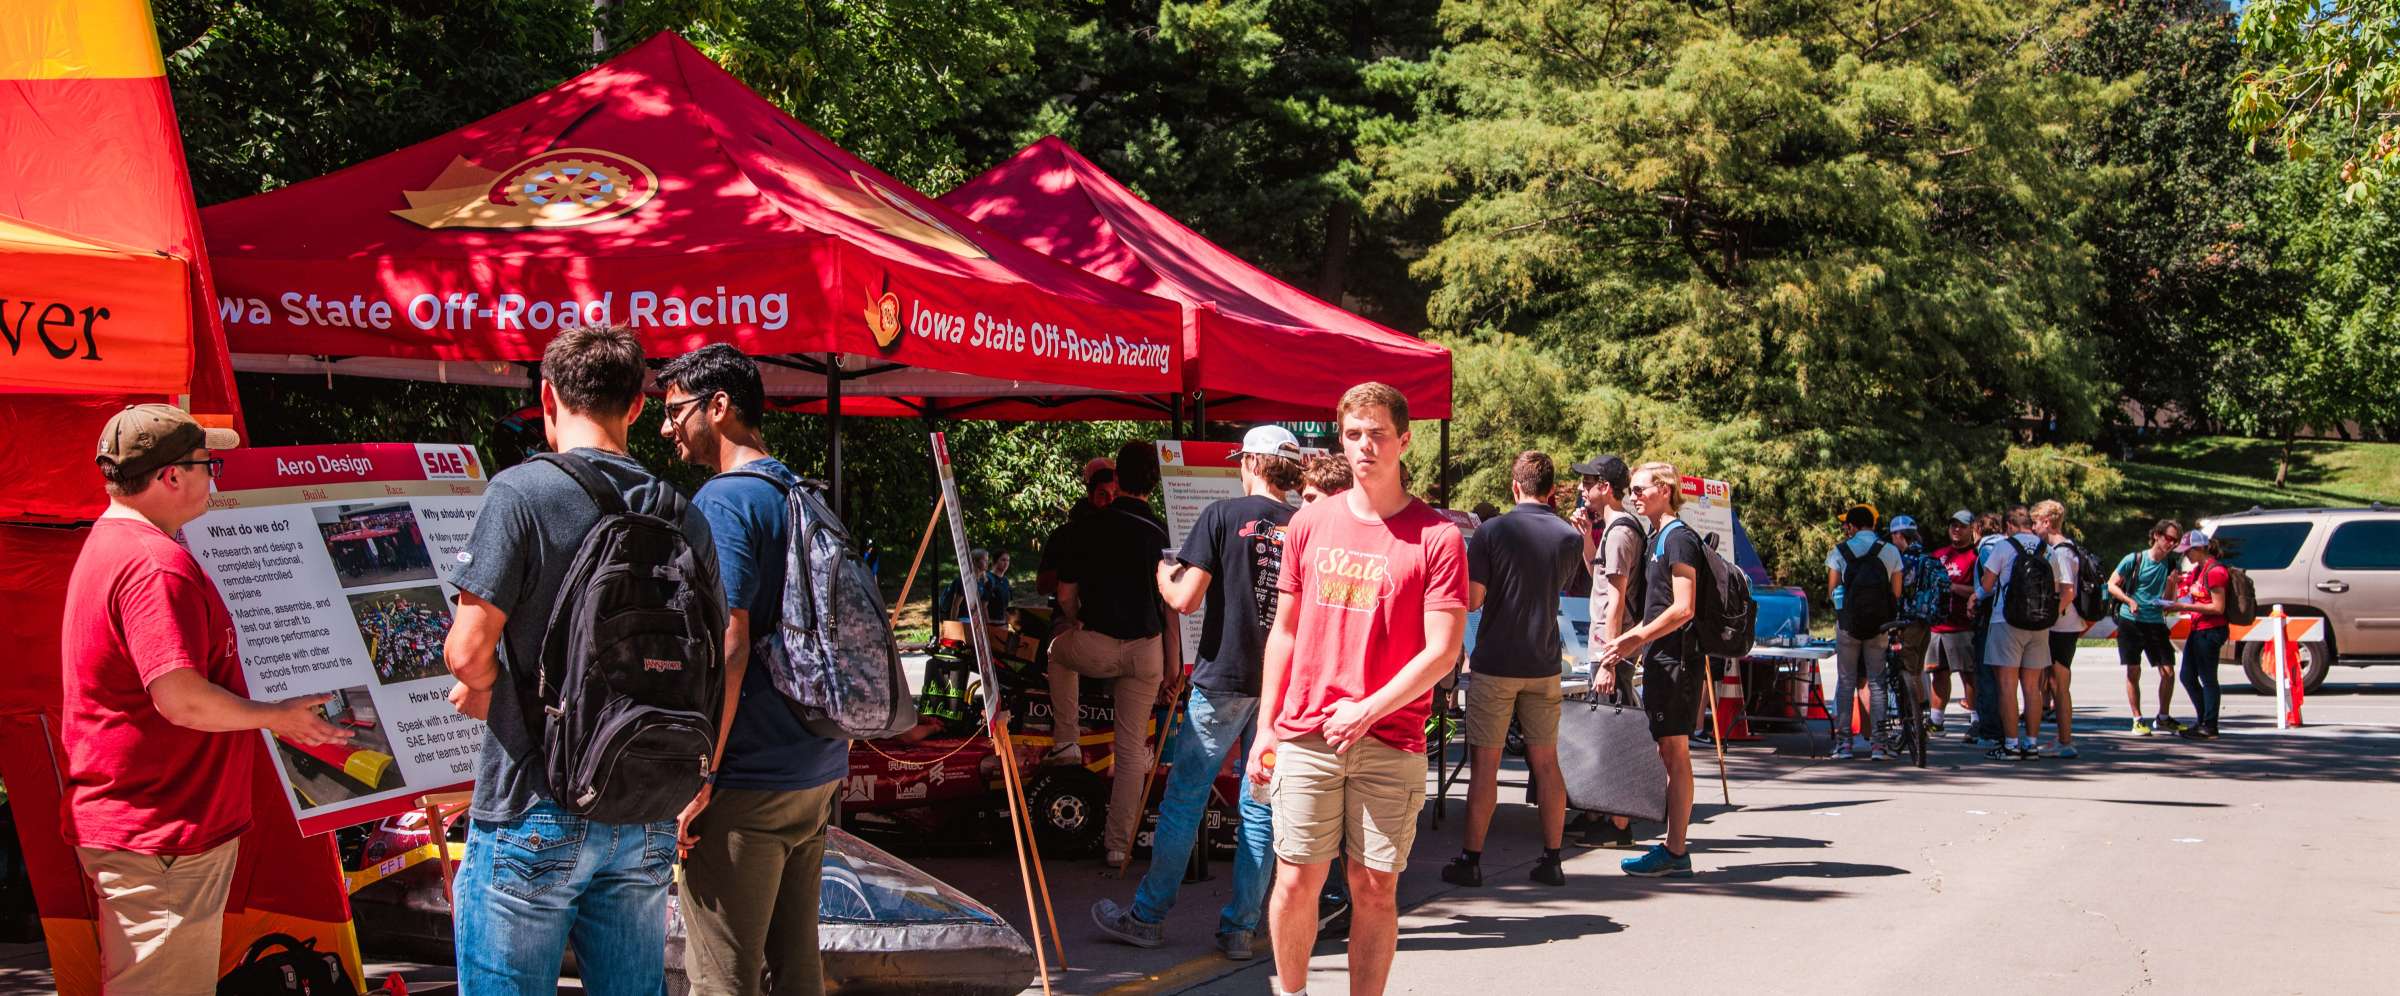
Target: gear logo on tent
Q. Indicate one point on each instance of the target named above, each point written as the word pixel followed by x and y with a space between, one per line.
pixel 560 188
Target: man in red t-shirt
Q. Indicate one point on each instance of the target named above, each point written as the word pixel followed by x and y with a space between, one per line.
pixel 1372 608
pixel 157 732
pixel 1953 645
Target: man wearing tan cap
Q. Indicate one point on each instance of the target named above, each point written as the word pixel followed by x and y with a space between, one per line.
pixel 157 726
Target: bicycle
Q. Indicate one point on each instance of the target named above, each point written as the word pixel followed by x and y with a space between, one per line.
pixel 1902 729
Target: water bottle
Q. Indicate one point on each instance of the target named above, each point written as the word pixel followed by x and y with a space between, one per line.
pixel 1258 789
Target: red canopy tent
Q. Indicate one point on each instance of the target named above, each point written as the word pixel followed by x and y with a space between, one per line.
pixel 104 303
pixel 1254 347
pixel 658 191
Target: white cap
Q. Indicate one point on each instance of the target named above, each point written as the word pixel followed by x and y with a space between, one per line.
pixel 1270 440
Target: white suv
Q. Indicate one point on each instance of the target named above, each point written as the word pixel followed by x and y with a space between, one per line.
pixel 2341 564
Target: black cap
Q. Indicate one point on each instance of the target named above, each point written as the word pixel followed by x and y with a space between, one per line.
pixel 1607 467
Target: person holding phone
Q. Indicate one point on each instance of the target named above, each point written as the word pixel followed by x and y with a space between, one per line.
pixel 2203 598
pixel 2139 588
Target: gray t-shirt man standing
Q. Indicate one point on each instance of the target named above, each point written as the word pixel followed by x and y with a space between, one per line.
pixel 535 874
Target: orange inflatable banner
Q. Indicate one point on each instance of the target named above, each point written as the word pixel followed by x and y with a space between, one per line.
pixel 81 315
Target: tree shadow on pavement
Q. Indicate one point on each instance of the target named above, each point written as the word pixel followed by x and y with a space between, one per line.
pixel 1475 932
pixel 2251 750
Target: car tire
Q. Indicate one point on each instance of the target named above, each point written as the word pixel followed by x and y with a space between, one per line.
pixel 1070 809
pixel 2319 657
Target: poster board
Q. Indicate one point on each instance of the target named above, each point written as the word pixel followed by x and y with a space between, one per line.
pixel 1191 475
pixel 1708 510
pixel 335 562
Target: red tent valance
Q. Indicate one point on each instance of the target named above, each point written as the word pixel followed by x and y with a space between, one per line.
pixel 1260 348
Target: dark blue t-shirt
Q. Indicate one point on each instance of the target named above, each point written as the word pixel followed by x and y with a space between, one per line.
pixel 768 750
pixel 1522 560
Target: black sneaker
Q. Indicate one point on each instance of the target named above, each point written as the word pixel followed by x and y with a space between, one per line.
pixel 1461 871
pixel 2195 733
pixel 1549 871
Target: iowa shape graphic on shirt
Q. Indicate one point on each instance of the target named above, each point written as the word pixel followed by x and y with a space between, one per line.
pixel 1346 579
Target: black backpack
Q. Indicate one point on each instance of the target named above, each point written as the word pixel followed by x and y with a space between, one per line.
pixel 834 659
pixel 1725 620
pixel 1867 602
pixel 299 969
pixel 2032 601
pixel 2091 584
pixel 631 681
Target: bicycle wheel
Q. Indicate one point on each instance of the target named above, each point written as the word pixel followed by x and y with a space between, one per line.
pixel 1912 731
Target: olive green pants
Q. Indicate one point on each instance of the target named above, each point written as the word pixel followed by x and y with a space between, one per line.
pixel 750 892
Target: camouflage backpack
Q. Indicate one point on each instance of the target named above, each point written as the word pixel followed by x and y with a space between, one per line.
pixel 833 659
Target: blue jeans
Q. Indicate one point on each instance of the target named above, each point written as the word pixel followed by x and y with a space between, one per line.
pixel 1987 682
pixel 1213 723
pixel 2200 672
pixel 531 884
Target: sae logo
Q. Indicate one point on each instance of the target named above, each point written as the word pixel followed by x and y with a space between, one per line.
pixel 449 463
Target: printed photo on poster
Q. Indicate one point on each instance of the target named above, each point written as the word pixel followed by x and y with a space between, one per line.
pixel 404 628
pixel 375 543
pixel 339 772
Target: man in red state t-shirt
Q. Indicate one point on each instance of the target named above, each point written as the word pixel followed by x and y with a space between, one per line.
pixel 156 729
pixel 1373 605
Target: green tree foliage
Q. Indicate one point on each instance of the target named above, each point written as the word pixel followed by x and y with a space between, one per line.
pixel 896 81
pixel 271 92
pixel 1243 119
pixel 2183 265
pixel 1828 252
pixel 2327 350
pixel 2331 60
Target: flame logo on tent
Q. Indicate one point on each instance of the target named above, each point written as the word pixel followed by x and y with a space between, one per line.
pixel 561 188
pixel 883 316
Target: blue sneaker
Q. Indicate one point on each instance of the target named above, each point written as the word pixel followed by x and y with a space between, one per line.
pixel 1657 862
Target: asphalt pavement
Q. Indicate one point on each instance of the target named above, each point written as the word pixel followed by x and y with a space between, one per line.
pixel 2259 863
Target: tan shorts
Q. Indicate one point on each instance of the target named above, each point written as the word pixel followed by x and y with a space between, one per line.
pixel 160 919
pixel 1492 700
pixel 1362 802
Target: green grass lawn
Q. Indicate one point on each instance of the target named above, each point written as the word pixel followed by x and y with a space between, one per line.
pixel 2212 475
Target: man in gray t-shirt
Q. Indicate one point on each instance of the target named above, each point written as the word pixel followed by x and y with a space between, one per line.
pixel 535 874
pixel 1612 544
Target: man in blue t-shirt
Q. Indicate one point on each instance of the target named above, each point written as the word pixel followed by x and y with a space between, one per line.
pixel 754 841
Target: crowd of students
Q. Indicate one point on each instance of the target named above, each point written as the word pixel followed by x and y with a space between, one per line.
pixel 1955 612
pixel 404 639
pixel 1326 628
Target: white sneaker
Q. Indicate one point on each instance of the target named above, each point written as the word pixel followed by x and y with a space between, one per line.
pixel 1064 755
pixel 1841 752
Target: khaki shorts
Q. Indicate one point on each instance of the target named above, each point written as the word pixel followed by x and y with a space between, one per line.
pixel 1493 699
pixel 1362 802
pixel 160 919
pixel 2010 647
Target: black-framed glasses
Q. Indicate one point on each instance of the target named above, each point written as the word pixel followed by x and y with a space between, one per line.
pixel 216 467
pixel 675 409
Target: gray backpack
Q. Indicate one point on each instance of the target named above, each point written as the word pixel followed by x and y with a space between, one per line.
pixel 833 659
